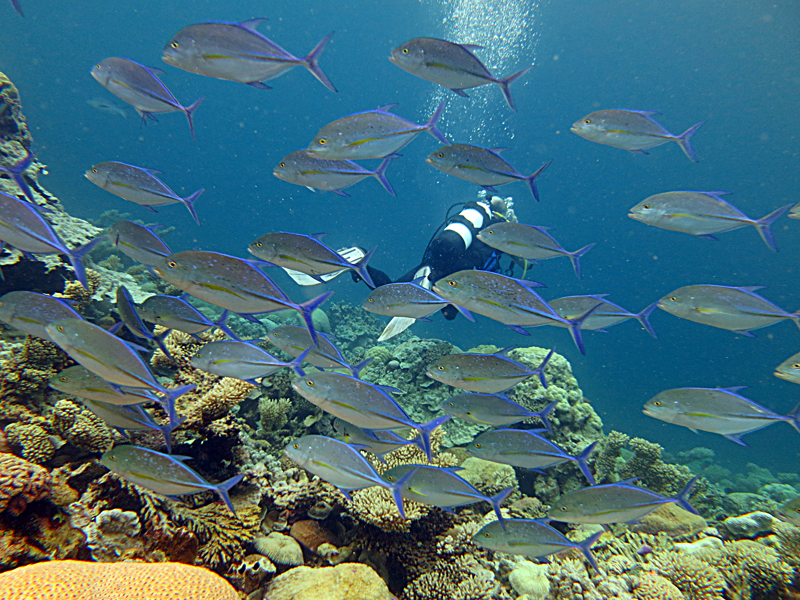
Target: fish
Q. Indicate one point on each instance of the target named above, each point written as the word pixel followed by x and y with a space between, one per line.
pixel 112 359
pixel 24 228
pixel 241 360
pixel 237 52
pixel 327 175
pixel 127 311
pixel 794 213
pixel 342 465
pixel 530 242
pixel 295 340
pixel 81 382
pixel 717 410
pixel 484 373
pixel 130 418
pixel 231 283
pixel 510 301
pixel 526 449
pixel 442 487
pixel 371 134
pixel 702 214
pixel 737 309
pixel 788 369
pixel 407 299
pixel 137 242
pixel 17 7
pixel 494 410
pixel 451 65
pixel 31 312
pixel 532 538
pixel 139 185
pixel 605 313
pixel 633 130
pixel 790 512
pixel 106 106
pixel 363 404
pixel 620 502
pixel 17 173
pixel 164 474
pixel 173 312
pixel 307 254
pixel 376 442
pixel 140 87
pixel 482 166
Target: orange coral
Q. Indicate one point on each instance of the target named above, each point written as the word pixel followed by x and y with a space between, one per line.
pixel 80 580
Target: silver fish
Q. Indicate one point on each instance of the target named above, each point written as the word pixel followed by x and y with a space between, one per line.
pixel 789 369
pixel 138 185
pixel 493 409
pixel 300 168
pixel 529 242
pixel 371 134
pixel 307 254
pixel 451 65
pixel 137 242
pixel 375 441
pixel 604 312
pixel 407 299
pixel 532 538
pixel 23 227
pixel 702 214
pixel 790 512
pixel 241 360
pixel 485 373
pixel 17 173
pixel 482 166
pixel 633 130
pixel 129 418
pixel 295 340
pixel 31 313
pixel 614 503
pixel 363 404
pixel 442 487
pixel 126 309
pixel 231 283
pixel 341 465
pixel 737 309
pixel 80 381
pixel 717 410
pixel 108 107
pixel 237 52
pixel 173 312
pixel 163 473
pixel 526 449
pixel 140 87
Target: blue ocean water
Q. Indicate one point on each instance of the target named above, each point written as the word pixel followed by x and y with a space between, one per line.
pixel 733 64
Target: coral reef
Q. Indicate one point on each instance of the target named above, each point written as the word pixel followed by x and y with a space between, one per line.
pixel 349 581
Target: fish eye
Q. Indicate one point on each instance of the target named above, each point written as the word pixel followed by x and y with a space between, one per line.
pixel 63 378
pixel 479 445
pixel 296 446
pixel 322 141
pixel 562 508
pixel 60 328
pixel 489 232
pixel 797 510
pixel 674 298
pixel 310 382
pixel 405 50
pixel 440 154
pixel 440 367
pixel 172 264
pixel 275 334
pixel 587 121
pixel 796 366
pixel 450 404
pixel 487 534
pixel 94 170
pixel 389 478
pixel 98 67
pixel 646 206
pixel 175 45
pixel 112 458
pixel 282 165
pixel 657 403
pixel 452 283
pixel 370 300
pixel 259 245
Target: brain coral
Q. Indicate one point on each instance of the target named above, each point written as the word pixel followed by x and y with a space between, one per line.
pixel 80 580
pixel 21 482
pixel 348 581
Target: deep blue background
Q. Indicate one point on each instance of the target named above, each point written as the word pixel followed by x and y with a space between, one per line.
pixel 732 63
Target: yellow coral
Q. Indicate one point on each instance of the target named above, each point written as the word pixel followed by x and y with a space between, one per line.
pixel 81 427
pixel 693 577
pixel 80 580
pixel 655 587
pixel 33 441
pixel 749 568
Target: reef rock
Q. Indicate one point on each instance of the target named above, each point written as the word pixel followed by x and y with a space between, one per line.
pixel 751 525
pixel 347 581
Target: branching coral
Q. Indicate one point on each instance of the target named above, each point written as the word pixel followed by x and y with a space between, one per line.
pixel 696 579
pixel 461 579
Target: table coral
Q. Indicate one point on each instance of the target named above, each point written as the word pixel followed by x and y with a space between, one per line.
pixel 21 482
pixel 80 580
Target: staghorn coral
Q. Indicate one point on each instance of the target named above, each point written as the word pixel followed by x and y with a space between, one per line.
pixel 461 579
pixel 21 482
pixel 81 580
pixel 696 579
pixel 81 427
pixel 273 412
pixel 32 441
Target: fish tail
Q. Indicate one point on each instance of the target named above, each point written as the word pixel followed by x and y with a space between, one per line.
pixel 532 179
pixel 682 499
pixel 76 257
pixel 311 62
pixel 575 257
pixel 575 328
pixel 294 365
pixel 644 318
pixel 545 414
pixel 685 144
pixel 166 431
pixel 426 430
pixel 355 370
pixel 222 491
pixel 794 418
pixel 188 112
pixel 361 268
pixel 170 396
pixel 764 225
pixel 497 500
pixel 586 547
pixel 396 489
pixel 431 124
pixel 540 369
pixel 222 325
pixel 16 173
pixel 18 7
pixel 306 308
pixel 507 81
pixel 380 174
pixel 583 462
pixel 189 202
pixel 159 341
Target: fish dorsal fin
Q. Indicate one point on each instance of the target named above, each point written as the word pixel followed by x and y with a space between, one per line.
pixel 630 481
pixel 644 113
pixel 157 71
pixel 472 47
pixel 318 236
pixel 389 389
pixel 499 149
pixel 251 24
pixel 719 193
pixel 452 469
pixel 733 389
pixel 386 107
pixel 180 457
pixel 152 172
pixel 505 351
pixel 752 288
